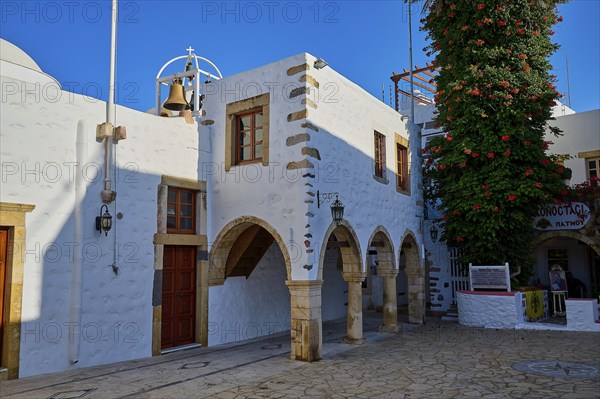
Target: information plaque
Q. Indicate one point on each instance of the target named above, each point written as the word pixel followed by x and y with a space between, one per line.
pixel 489 277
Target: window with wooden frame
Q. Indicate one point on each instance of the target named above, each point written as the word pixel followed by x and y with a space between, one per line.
pixel 249 136
pixel 402 180
pixel 181 211
pixel 247 132
pixel 592 170
pixel 379 155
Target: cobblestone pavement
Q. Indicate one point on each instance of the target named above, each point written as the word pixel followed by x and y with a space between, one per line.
pixel 436 360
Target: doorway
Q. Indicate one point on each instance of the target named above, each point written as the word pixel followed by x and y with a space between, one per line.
pixel 178 296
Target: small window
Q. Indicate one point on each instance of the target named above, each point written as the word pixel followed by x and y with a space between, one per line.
pixel 181 211
pixel 247 132
pixel 402 180
pixel 592 169
pixel 379 155
pixel 249 137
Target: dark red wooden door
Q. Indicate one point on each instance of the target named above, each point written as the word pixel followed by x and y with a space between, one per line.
pixel 178 296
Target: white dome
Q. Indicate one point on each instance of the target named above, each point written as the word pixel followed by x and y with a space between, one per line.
pixel 11 53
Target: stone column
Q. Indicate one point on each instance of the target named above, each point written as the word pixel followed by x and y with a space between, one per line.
pixel 416 295
pixel 355 320
pixel 390 302
pixel 306 324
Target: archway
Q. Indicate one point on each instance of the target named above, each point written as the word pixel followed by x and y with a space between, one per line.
pixel 581 262
pixel 341 243
pixel 248 267
pixel 415 274
pixel 382 262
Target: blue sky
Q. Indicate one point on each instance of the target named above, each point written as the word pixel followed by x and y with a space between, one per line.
pixel 363 40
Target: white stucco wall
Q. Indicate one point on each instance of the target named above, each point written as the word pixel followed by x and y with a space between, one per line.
pixel 490 311
pixel 580 134
pixel 582 314
pixel 334 292
pixel 244 309
pixel 39 160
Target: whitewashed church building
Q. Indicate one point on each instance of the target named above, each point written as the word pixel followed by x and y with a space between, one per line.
pixel 221 226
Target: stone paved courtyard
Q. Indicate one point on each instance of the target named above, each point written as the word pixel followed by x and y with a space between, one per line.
pixel 437 360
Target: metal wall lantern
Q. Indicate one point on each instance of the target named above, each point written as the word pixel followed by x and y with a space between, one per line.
pixel 337 211
pixel 337 207
pixel 434 233
pixel 104 221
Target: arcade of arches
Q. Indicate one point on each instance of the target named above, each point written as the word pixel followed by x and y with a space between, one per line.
pixel 241 244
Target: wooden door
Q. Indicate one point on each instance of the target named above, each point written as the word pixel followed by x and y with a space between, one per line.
pixel 3 245
pixel 178 296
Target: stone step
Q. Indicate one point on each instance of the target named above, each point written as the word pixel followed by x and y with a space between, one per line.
pixel 3 374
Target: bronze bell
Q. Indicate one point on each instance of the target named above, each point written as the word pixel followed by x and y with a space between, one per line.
pixel 176 100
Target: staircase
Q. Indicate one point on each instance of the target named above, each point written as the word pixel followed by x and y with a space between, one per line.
pixel 247 251
pixel 451 313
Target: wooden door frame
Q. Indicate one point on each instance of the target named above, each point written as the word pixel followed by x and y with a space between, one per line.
pixel 199 240
pixel 12 217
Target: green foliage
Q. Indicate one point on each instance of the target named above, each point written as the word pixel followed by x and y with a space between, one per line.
pixel 490 172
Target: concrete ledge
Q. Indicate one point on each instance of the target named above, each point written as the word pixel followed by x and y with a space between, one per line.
pixel 354 341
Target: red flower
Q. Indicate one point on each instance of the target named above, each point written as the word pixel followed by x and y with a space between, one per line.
pixel 538 184
pixel 496 209
pixel 545 162
pixel 486 193
pixel 560 169
pixel 501 23
pixel 424 151
pixel 504 84
pixel 512 197
pixel 490 155
pixel 475 92
pixel 444 218
pixel 464 28
pixel 551 32
pixel 522 57
pixel 476 206
pixel 499 8
pixel 459 239
pixel 480 6
pixel 528 172
pixel 521 31
pixel 485 187
pixel 448 138
pixel 475 154
pixel 507 153
pixel 479 42
pixel 505 138
pixel 453 6
pixel 467 151
pixel 441 167
pixel 508 51
pixel 449 118
pixel 527 142
pixel 455 213
pixel 560 19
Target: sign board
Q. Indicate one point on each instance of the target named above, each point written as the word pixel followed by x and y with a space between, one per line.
pixel 489 277
pixel 569 216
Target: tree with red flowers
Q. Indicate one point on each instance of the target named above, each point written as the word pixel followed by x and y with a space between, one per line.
pixel 490 172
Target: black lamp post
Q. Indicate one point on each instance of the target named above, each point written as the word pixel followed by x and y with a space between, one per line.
pixel 104 221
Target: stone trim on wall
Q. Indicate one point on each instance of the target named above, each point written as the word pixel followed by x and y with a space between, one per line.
pixel 589 154
pixel 13 216
pixel 248 104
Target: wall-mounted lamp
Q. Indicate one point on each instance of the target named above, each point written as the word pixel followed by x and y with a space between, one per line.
pixel 434 233
pixel 320 63
pixel 104 221
pixel 337 211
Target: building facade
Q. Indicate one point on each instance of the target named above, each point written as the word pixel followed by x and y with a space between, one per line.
pixel 221 228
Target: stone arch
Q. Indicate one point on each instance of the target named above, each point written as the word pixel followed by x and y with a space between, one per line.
pixel 388 270
pixel 351 256
pixel 591 242
pixel 415 274
pixel 228 235
pixel 385 252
